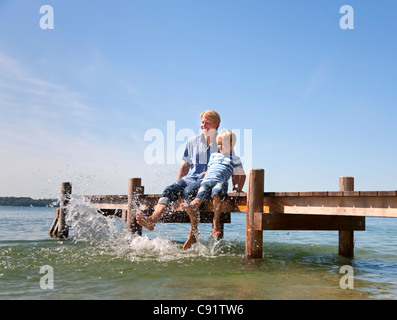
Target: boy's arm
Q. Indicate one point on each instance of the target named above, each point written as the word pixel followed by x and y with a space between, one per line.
pixel 208 166
pixel 238 181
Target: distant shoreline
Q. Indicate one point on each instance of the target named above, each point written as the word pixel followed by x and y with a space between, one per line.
pixel 27 202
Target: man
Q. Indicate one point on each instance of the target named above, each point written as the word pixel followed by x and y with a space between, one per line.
pixel 191 173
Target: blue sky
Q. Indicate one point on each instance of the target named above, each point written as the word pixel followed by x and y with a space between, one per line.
pixel 77 100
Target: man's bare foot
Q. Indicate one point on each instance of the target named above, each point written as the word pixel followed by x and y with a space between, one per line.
pixel 189 242
pixel 145 221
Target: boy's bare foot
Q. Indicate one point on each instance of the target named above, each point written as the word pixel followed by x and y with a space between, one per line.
pixel 145 221
pixel 192 206
pixel 187 207
pixel 216 234
pixel 189 242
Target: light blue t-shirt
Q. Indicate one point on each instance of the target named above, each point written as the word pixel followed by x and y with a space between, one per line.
pixel 221 167
pixel 197 155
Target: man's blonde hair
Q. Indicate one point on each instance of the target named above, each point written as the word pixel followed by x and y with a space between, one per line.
pixel 213 115
pixel 225 137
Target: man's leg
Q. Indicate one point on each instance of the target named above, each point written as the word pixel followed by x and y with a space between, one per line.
pixel 171 193
pixel 190 192
pixel 149 222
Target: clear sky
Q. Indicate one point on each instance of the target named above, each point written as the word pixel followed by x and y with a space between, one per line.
pixel 77 100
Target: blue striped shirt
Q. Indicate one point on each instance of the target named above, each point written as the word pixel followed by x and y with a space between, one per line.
pixel 221 167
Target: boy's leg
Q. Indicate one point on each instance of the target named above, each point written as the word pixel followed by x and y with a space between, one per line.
pixel 217 229
pixel 218 191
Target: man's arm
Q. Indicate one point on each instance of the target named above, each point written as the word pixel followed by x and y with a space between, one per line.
pixel 183 170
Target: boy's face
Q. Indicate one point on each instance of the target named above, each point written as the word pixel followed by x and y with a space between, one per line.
pixel 224 148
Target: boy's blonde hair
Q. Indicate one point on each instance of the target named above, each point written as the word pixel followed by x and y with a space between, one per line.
pixel 226 136
pixel 213 115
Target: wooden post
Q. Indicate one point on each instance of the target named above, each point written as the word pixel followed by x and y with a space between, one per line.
pixel 54 226
pixel 134 189
pixel 346 237
pixel 254 238
pixel 66 191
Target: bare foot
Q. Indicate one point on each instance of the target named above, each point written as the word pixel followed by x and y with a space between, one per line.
pixel 145 221
pixel 189 242
pixel 216 233
pixel 187 207
pixel 192 206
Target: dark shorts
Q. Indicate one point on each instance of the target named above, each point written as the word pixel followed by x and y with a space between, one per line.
pixel 178 190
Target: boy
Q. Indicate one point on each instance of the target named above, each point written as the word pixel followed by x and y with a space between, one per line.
pixel 221 167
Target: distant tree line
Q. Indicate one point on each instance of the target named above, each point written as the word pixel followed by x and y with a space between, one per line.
pixel 26 202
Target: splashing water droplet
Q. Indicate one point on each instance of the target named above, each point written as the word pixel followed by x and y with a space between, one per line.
pixel 111 234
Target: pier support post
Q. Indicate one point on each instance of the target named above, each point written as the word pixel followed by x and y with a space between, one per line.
pixel 66 191
pixel 134 189
pixel 254 238
pixel 54 226
pixel 346 237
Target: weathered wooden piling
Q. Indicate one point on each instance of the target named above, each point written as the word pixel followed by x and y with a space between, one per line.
pixel 59 229
pixel 134 190
pixel 346 237
pixel 254 238
pixel 54 223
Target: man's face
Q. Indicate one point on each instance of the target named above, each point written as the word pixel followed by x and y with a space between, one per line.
pixel 208 124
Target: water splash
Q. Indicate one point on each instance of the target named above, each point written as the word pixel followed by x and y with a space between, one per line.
pixel 111 235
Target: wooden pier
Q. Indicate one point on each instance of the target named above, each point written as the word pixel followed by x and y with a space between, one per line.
pixel 344 210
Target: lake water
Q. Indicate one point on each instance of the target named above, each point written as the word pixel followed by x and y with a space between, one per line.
pixel 102 260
